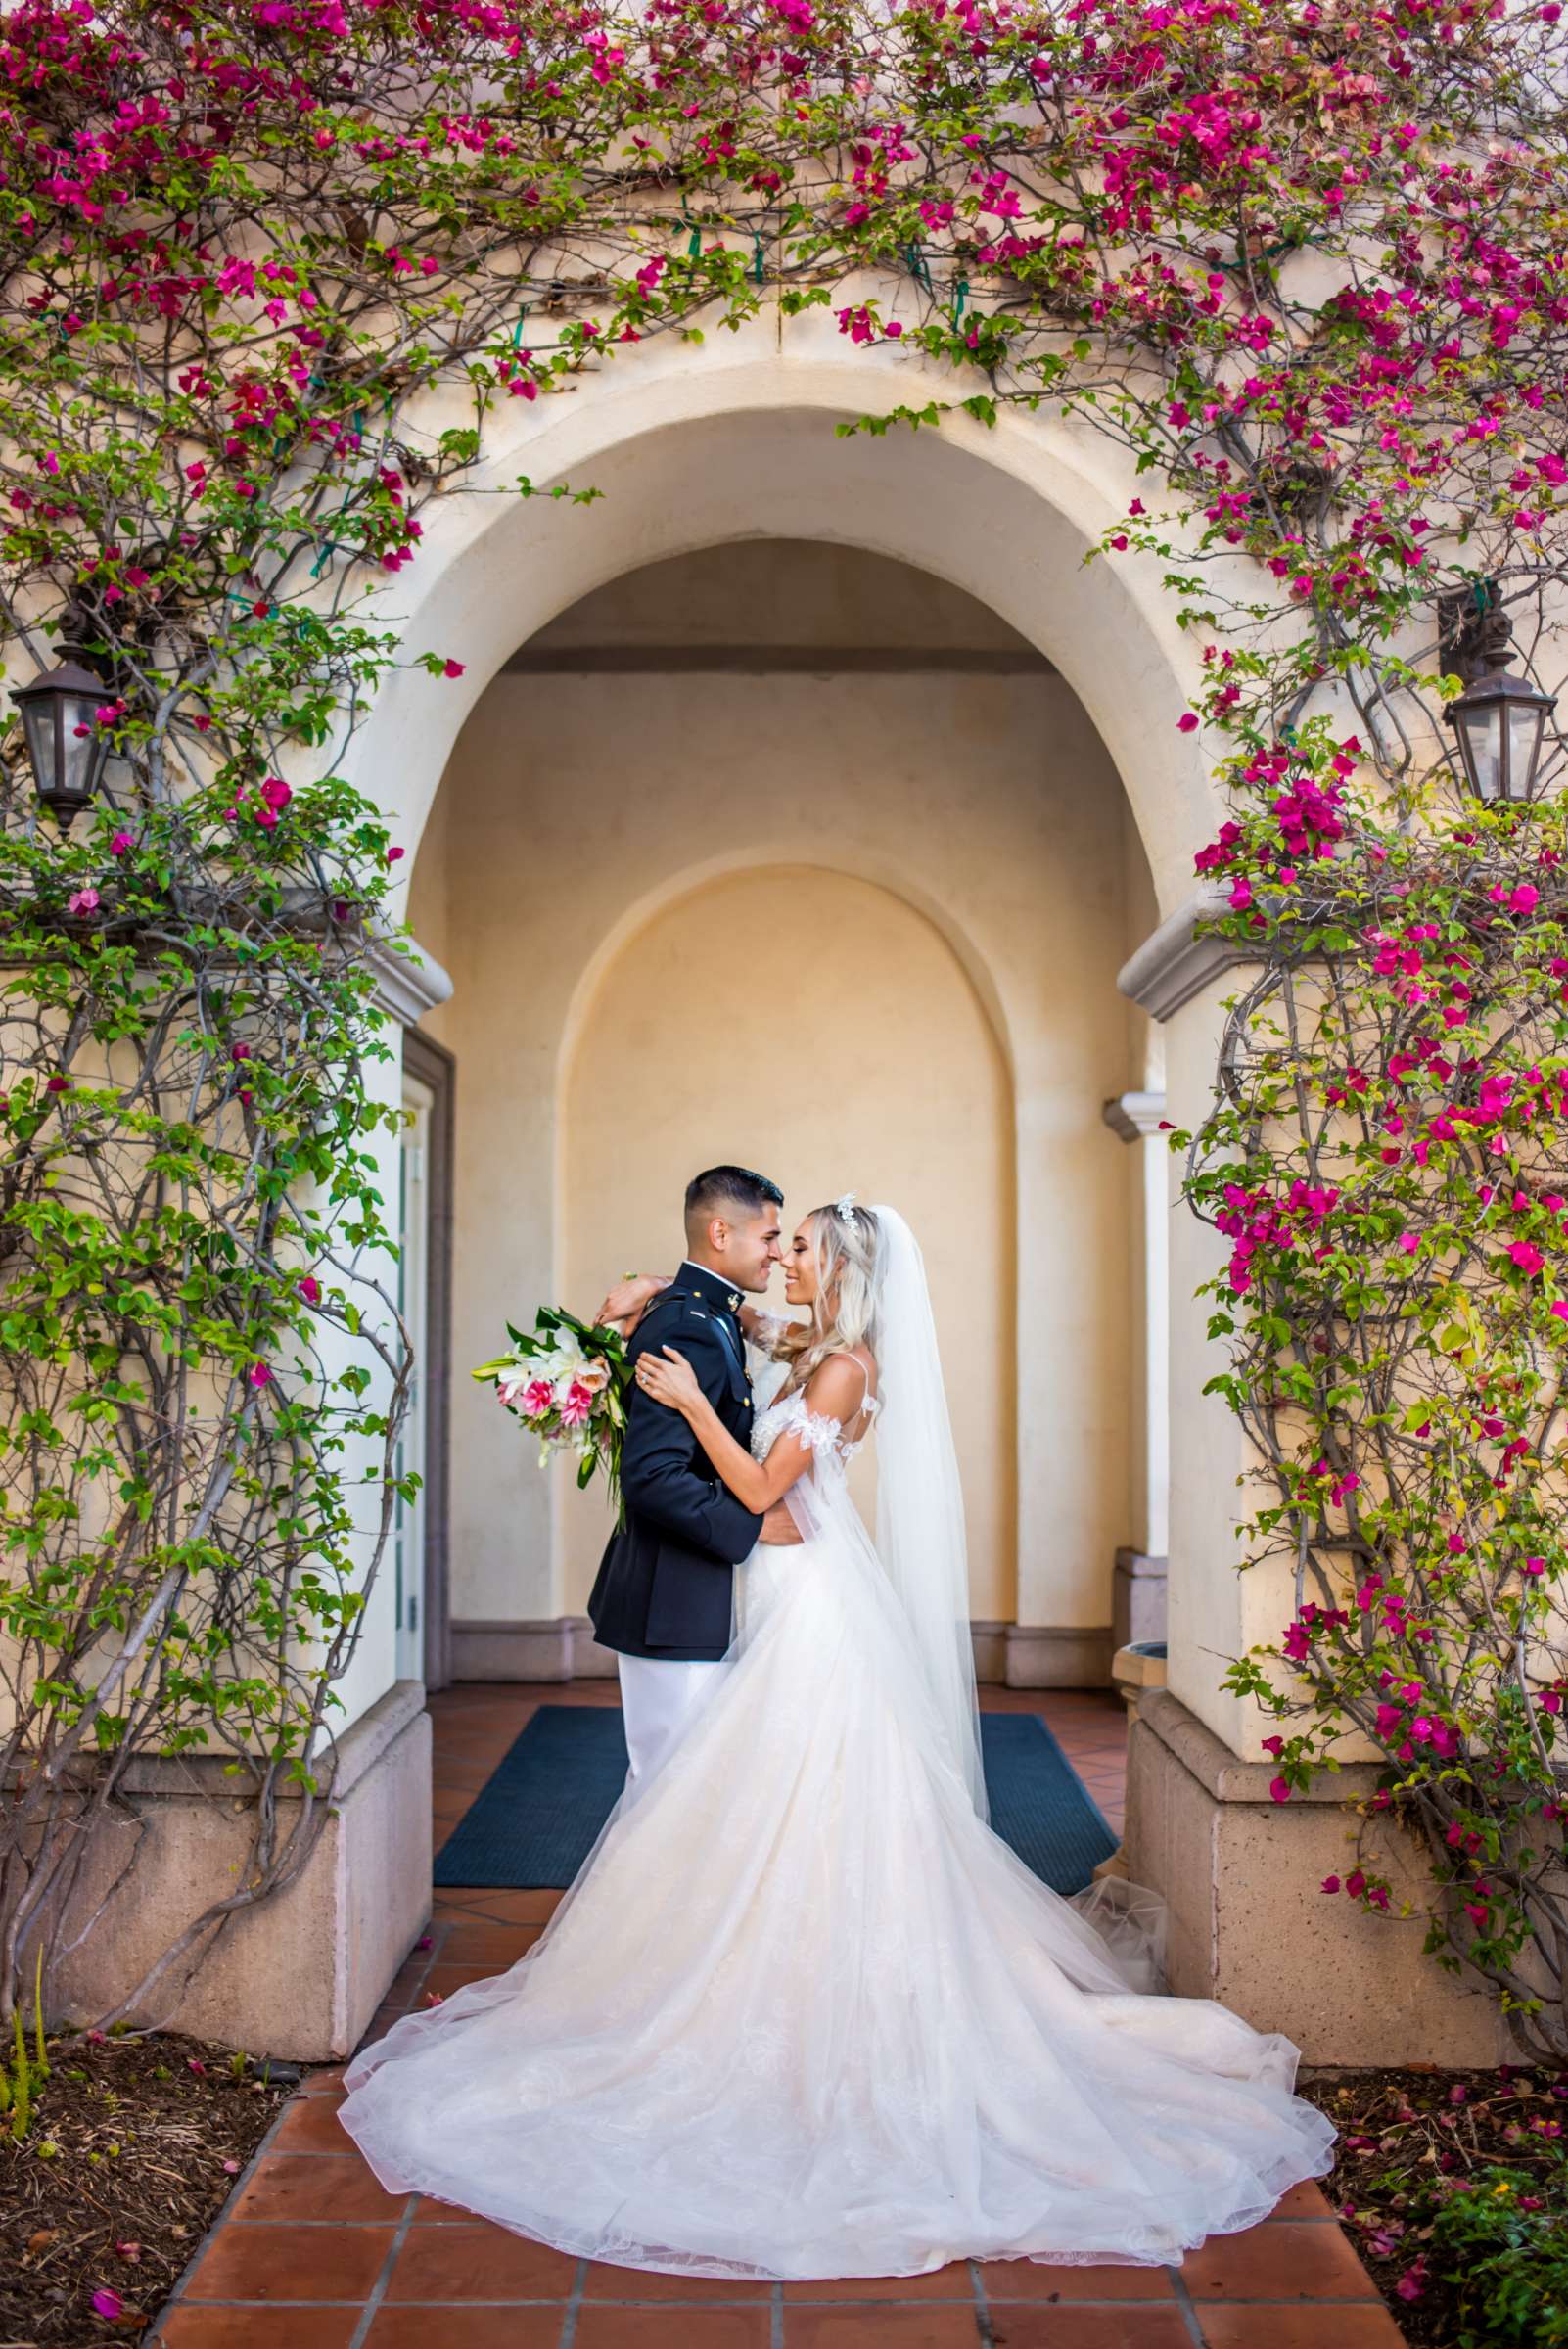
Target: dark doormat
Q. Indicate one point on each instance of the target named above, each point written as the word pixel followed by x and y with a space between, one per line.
pixel 535 1821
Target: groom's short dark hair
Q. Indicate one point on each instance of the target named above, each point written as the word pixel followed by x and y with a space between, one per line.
pixel 707 1194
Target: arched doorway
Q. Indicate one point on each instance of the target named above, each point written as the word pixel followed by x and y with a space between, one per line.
pixel 650 792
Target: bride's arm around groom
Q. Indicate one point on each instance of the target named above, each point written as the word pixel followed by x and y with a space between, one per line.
pixel 664 1587
pixel 664 1474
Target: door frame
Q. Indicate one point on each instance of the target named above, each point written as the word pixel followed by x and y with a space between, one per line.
pixel 436 1068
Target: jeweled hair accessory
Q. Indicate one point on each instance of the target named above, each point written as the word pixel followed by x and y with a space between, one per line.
pixel 844 1208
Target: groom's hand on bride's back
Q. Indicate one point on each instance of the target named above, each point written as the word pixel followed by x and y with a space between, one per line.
pixel 779 1528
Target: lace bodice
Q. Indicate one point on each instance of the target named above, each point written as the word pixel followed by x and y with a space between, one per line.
pixel 825 1436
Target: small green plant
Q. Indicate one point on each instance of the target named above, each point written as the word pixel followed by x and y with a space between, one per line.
pixel 40 2056
pixel 28 2072
pixel 238 2062
pixel 1501 2241
pixel 20 2097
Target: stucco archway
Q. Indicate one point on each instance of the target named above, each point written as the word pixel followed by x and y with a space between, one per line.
pixel 697 450
pixel 738 445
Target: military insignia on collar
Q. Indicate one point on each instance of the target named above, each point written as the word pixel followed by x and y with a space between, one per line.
pixel 733 1300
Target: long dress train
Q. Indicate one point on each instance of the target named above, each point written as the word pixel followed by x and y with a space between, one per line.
pixel 802 2014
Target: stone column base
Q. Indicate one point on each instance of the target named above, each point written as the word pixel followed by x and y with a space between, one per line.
pixel 561 1648
pixel 1047 1656
pixel 301 1975
pixel 1249 1926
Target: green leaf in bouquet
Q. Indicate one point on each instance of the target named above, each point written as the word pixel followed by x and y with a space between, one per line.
pixel 585 1468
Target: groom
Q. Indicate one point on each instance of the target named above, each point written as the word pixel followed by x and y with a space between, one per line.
pixel 663 1595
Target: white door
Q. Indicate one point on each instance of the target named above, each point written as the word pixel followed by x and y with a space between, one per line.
pixel 413 1289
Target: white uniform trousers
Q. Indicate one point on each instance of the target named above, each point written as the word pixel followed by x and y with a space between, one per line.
pixel 658 1695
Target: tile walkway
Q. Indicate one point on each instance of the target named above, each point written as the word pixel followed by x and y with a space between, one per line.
pixel 310 2254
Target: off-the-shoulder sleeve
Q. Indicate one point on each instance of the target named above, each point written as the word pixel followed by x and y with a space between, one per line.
pixel 815 1428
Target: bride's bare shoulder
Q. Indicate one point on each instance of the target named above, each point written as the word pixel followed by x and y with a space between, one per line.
pixel 841 1383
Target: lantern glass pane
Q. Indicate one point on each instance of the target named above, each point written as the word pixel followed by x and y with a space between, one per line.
pixel 1481 742
pixel 78 731
pixel 73 748
pixel 38 725
pixel 1525 720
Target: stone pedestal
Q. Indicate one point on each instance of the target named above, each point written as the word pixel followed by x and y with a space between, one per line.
pixel 1135 1668
pixel 1137 1597
pixel 301 1975
pixel 1249 1926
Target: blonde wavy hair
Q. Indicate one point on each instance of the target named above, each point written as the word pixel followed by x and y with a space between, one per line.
pixel 844 1311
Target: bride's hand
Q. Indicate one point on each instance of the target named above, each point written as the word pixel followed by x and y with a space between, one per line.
pixel 670 1381
pixel 630 1299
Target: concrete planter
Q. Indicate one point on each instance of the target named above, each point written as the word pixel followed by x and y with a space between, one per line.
pixel 1249 1926
pixel 302 1974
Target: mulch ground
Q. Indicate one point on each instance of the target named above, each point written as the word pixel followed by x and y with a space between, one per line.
pixel 134 2147
pixel 1401 2134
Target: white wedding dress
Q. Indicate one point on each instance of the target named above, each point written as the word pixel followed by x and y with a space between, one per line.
pixel 804 2015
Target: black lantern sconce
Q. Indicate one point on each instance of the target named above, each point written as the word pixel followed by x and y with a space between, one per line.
pixel 65 744
pixel 1500 718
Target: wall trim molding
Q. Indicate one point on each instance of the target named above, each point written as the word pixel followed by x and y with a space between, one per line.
pixel 776 660
pixel 563 1647
pixel 1173 964
pixel 408 985
pixel 1134 1117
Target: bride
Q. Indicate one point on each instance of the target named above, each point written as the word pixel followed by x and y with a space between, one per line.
pixel 802 2014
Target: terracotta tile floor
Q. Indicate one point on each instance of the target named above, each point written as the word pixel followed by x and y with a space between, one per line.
pixel 310 2254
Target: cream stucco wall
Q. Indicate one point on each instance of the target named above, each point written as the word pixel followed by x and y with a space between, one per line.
pixel 577 808
pixel 862 1061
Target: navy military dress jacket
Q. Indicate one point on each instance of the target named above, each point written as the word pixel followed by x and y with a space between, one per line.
pixel 664 1585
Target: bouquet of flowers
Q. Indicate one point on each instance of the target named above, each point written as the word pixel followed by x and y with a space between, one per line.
pixel 567 1383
